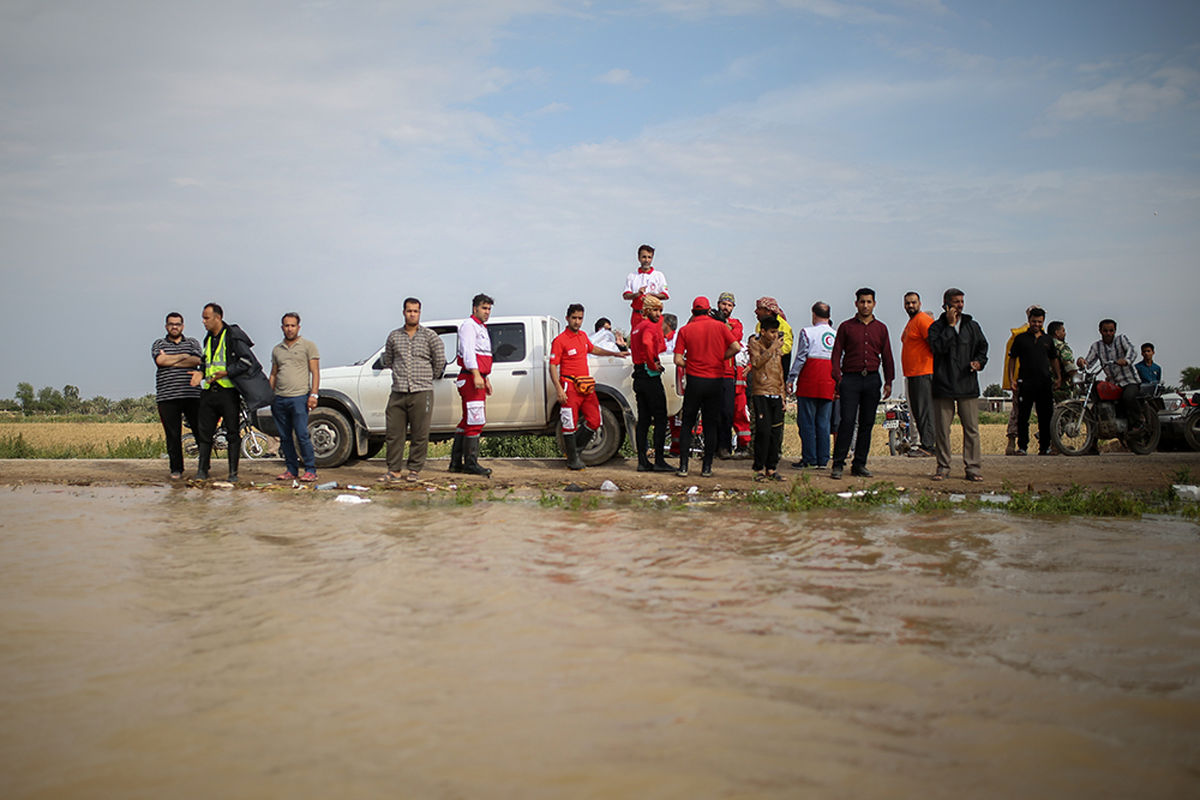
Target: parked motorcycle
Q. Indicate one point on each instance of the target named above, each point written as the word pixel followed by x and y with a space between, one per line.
pixel 897 421
pixel 255 443
pixel 1097 414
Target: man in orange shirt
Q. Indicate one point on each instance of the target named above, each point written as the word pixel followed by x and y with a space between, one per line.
pixel 917 361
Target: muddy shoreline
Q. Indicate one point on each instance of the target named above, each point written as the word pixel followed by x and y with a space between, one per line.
pixel 1122 471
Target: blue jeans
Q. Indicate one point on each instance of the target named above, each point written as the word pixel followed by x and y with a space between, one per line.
pixel 812 415
pixel 291 416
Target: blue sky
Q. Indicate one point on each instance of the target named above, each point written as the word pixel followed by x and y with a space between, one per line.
pixel 334 157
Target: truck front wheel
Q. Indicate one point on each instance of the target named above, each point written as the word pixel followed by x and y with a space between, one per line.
pixel 606 441
pixel 332 437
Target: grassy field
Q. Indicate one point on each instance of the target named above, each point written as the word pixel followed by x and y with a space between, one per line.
pixel 81 440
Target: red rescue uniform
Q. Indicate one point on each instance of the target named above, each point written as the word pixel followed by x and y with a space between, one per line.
pixel 569 352
pixel 474 352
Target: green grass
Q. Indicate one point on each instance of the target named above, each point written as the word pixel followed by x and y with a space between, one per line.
pixel 131 447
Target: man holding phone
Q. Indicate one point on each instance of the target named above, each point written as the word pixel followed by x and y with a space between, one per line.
pixel 959 354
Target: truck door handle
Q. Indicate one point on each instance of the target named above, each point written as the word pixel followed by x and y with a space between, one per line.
pixel 519 372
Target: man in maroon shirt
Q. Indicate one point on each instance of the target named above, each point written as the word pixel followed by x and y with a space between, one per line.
pixel 861 344
pixel 701 348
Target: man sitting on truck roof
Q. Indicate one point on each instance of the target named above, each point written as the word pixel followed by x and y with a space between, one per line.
pixel 575 386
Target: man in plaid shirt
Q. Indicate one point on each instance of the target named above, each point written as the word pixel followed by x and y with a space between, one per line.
pixel 1117 355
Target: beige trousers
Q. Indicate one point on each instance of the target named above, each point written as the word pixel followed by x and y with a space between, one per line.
pixel 968 414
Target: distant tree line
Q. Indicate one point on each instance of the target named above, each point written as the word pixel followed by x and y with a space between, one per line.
pixel 51 401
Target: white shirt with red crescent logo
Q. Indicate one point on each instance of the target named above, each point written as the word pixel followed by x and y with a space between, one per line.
pixel 474 346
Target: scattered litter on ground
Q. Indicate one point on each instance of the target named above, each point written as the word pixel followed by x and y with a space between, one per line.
pixel 656 497
pixel 997 499
pixel 330 485
pixel 351 499
pixel 572 487
pixel 957 498
pixel 693 490
pixel 609 486
pixel 1186 492
pixel 848 495
pixel 358 488
pixel 221 485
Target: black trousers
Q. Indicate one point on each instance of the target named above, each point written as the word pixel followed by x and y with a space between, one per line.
pixel 1129 401
pixel 860 398
pixel 702 397
pixel 651 410
pixel 728 404
pixel 768 431
pixel 219 402
pixel 1031 394
pixel 171 414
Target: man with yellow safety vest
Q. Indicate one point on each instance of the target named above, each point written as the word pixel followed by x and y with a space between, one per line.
pixel 227 356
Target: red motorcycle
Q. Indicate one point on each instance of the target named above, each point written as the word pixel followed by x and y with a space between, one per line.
pixel 1097 414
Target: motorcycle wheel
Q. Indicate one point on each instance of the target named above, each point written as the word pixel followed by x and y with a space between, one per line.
pixel 190 448
pixel 1073 432
pixel 1191 429
pixel 1145 442
pixel 255 445
pixel 893 443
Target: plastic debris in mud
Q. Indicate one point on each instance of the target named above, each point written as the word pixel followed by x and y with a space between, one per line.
pixel 1186 492
pixel 609 486
pixel 351 499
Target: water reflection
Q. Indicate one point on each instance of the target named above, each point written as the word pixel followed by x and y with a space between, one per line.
pixel 242 644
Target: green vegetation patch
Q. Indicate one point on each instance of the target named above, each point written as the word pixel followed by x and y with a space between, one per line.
pixel 130 447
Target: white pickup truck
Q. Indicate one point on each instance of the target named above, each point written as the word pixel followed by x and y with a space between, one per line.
pixel 349 421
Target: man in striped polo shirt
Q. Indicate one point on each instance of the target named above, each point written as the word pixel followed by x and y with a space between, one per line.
pixel 176 357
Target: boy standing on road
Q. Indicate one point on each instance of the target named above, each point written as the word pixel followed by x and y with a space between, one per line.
pixel 766 377
pixel 575 386
pixel 475 362
pixel 1149 372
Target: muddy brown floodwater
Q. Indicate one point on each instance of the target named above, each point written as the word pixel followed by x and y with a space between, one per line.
pixel 179 643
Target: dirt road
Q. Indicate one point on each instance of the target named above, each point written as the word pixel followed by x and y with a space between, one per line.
pixel 1113 470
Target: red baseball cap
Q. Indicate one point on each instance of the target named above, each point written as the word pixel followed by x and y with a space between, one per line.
pixel 701 304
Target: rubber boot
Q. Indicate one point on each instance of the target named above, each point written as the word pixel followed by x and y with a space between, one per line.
pixel 471 458
pixel 1011 450
pixel 203 462
pixel 456 454
pixel 583 436
pixel 572 448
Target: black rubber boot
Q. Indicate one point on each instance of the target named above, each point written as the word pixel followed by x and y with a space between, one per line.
pixel 456 454
pixel 471 458
pixel 583 436
pixel 572 447
pixel 203 462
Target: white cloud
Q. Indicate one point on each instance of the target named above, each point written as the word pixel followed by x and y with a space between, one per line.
pixel 1126 99
pixel 620 77
pixel 549 109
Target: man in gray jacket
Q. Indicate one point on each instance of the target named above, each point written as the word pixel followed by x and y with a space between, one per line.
pixel 416 357
pixel 959 354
